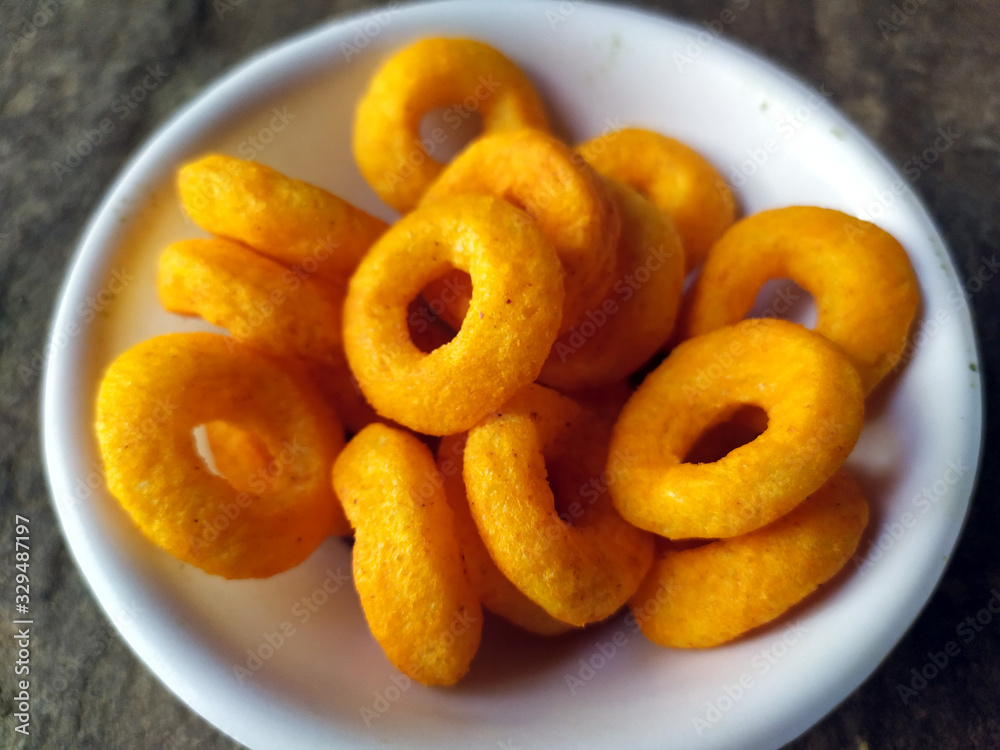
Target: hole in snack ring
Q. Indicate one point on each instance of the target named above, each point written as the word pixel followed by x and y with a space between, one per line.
pixel 428 329
pixel 783 298
pixel 443 303
pixel 740 427
pixel 446 131
pixel 238 456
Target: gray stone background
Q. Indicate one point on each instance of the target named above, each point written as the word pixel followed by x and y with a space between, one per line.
pixel 64 64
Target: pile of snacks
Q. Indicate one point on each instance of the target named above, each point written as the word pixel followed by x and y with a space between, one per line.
pixel 501 322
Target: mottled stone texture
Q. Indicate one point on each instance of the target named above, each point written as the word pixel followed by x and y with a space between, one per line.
pixel 64 66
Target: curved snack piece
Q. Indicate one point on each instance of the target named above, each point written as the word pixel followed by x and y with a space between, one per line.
pixel 496 593
pixel 636 316
pixel 568 200
pixel 504 339
pixel 240 456
pixel 465 75
pixel 706 596
pixel 815 409
pixel 861 279
pixel 303 226
pixel 408 567
pixel 150 400
pixel 675 177
pixel 260 302
pixel 539 450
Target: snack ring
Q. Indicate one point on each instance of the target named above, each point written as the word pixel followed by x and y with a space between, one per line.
pixel 305 227
pixel 504 339
pixel 702 597
pixel 464 75
pixel 568 200
pixel 815 409
pixel 260 302
pixel 860 277
pixel 542 454
pixel 408 567
pixel 675 177
pixel 150 400
pixel 636 316
pixel 496 593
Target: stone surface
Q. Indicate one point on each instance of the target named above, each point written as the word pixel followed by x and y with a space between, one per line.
pixel 900 70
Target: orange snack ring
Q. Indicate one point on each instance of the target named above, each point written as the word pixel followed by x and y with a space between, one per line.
pixel 233 287
pixel 568 200
pixel 578 572
pixel 465 75
pixel 706 596
pixel 815 409
pixel 636 315
pixel 675 177
pixel 298 224
pixel 408 567
pixel 504 339
pixel 150 400
pixel 864 287
pixel 494 590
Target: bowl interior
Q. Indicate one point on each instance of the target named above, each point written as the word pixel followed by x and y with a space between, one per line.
pixel 288 661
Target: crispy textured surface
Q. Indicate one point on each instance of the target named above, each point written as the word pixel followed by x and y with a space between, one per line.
pixel 504 339
pixel 298 224
pixel 636 315
pixel 703 597
pixel 463 75
pixel 568 200
pixel 675 177
pixel 538 461
pixel 861 279
pixel 259 301
pixel 150 400
pixel 408 566
pixel 815 409
pixel 494 590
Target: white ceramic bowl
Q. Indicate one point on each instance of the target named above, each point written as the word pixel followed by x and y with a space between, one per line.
pixel 312 675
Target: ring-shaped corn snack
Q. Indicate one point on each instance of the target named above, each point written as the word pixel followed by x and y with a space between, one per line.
pixel 579 565
pixel 815 409
pixel 464 75
pixel 568 200
pixel 675 177
pixel 504 339
pixel 259 301
pixel 861 279
pixel 310 230
pixel 706 596
pixel 408 567
pixel 496 593
pixel 151 399
pixel 636 315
